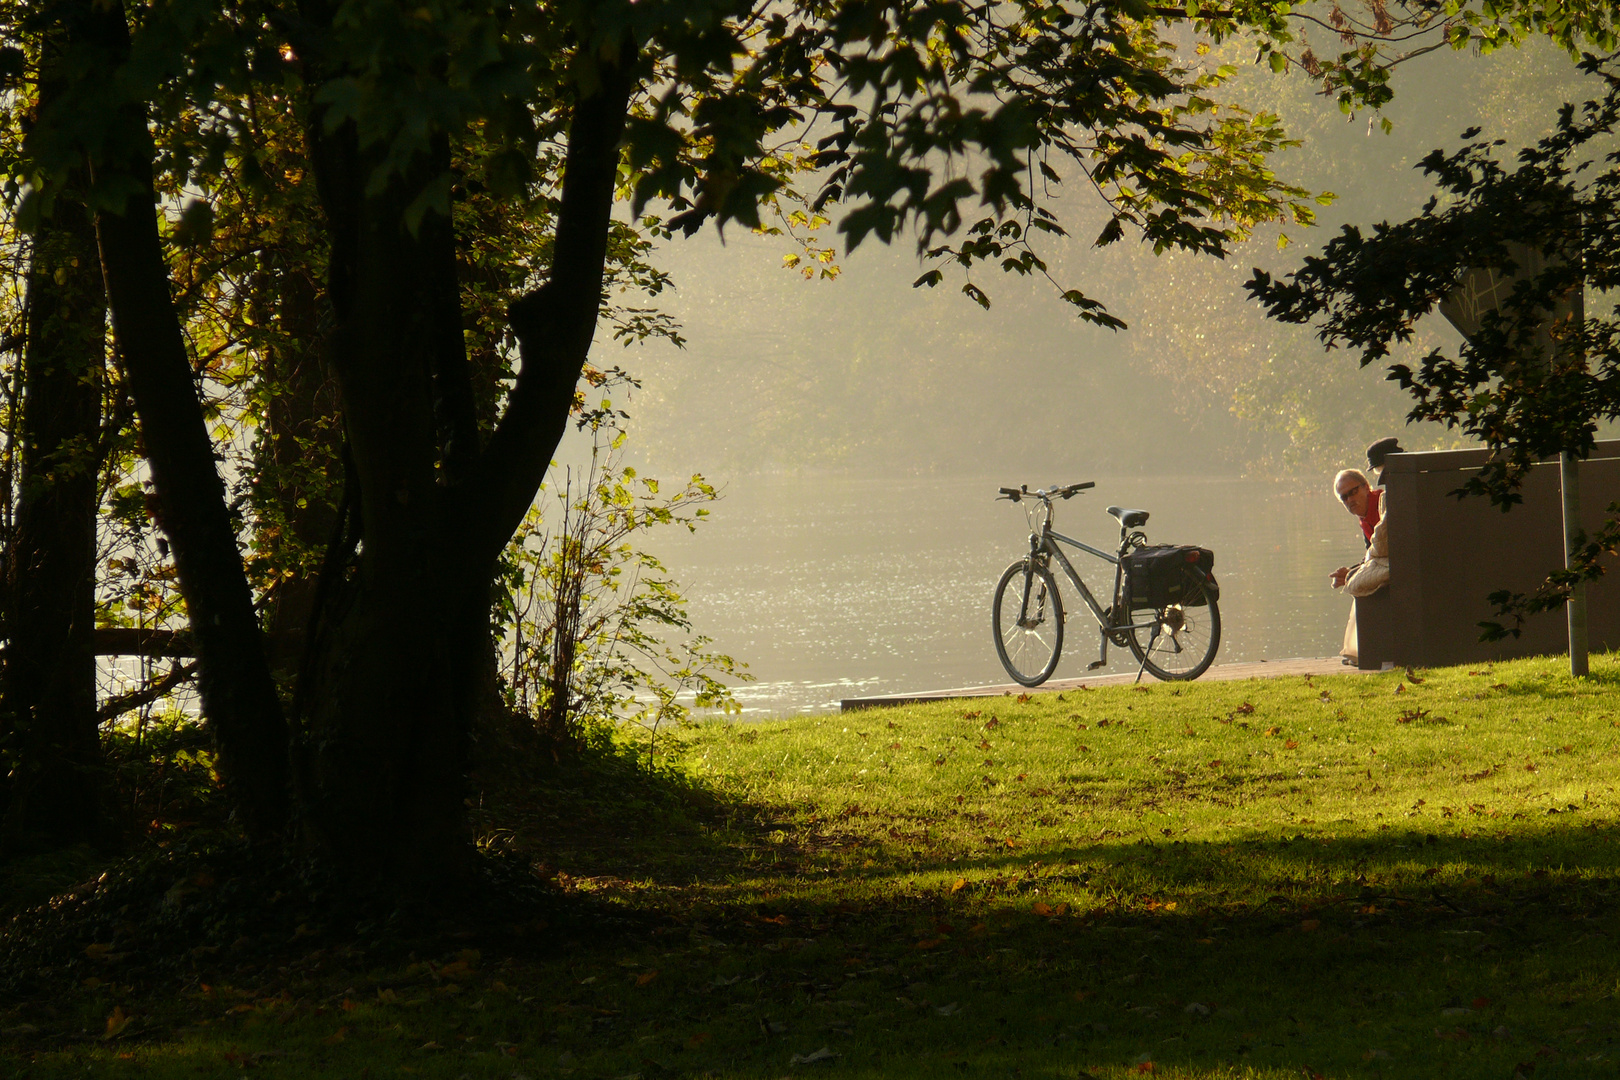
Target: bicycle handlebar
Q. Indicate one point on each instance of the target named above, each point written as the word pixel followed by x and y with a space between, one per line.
pixel 1017 494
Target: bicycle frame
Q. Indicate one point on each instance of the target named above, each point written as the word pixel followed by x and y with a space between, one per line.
pixel 1045 544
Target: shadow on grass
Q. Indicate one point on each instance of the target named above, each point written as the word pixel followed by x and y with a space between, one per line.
pixel 1384 953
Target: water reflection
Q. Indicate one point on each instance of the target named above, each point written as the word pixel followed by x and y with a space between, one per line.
pixel 833 587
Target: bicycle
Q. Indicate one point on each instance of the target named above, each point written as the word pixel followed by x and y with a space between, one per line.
pixel 1173 641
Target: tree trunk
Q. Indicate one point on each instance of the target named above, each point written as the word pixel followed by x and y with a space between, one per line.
pixel 238 694
pixel 55 793
pixel 398 672
pixel 381 784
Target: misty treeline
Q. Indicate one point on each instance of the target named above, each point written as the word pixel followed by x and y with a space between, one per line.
pixel 305 296
pixel 864 373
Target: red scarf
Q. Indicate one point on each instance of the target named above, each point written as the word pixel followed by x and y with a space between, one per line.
pixel 1369 520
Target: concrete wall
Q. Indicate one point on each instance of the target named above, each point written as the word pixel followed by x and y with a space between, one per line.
pixel 1446 555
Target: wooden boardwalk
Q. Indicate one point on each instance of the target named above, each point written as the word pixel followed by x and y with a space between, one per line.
pixel 1263 669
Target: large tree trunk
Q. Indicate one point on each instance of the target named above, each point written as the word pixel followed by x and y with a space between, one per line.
pixel 54 797
pixel 398 674
pixel 238 694
pixel 383 783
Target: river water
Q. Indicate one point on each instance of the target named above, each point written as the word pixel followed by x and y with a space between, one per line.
pixel 831 587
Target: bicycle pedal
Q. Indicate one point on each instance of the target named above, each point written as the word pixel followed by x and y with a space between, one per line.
pixel 1095 664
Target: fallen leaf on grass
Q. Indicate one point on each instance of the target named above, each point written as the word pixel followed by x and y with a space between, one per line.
pixel 117 1021
pixel 1291 744
pixel 1215 764
pixel 646 977
pixel 697 1041
pixel 1324 696
pixel 1480 1002
pixel 959 884
pixel 1024 698
pixel 930 943
pixel 1413 678
pixel 824 1054
pixel 1310 924
pixel 1041 908
pixel 336 1037
pixel 1270 731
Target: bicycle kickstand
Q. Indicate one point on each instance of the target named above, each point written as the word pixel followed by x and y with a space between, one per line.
pixel 1102 657
pixel 1145 652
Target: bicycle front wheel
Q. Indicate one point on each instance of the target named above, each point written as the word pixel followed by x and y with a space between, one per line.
pixel 1027 618
pixel 1185 643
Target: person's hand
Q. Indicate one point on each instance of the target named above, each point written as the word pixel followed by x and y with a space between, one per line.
pixel 1339 577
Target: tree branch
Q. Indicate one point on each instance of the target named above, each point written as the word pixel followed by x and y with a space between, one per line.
pixel 115 707
pixel 554 324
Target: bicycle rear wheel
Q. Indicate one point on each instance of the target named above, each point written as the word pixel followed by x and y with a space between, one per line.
pixel 1187 637
pixel 1027 619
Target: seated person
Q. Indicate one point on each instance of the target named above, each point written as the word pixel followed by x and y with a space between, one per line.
pixel 1361 499
pixel 1372 573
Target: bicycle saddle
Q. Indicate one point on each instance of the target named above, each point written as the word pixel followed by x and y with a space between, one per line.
pixel 1129 519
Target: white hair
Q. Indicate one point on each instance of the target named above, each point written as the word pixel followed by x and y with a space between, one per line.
pixel 1343 473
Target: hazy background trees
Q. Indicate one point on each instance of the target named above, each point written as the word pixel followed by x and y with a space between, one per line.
pixel 863 372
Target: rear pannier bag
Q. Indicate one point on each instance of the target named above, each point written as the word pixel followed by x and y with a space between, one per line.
pixel 1170 574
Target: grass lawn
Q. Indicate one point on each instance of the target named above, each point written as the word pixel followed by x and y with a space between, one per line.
pixel 1389 875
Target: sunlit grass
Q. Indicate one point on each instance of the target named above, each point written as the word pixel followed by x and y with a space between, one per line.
pixel 1355 876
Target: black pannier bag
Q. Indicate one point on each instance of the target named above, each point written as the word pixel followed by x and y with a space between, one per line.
pixel 1168 574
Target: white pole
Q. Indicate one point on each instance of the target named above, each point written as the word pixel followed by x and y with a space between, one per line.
pixel 1569 476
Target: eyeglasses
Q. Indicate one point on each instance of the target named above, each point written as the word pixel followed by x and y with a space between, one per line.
pixel 1345 496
